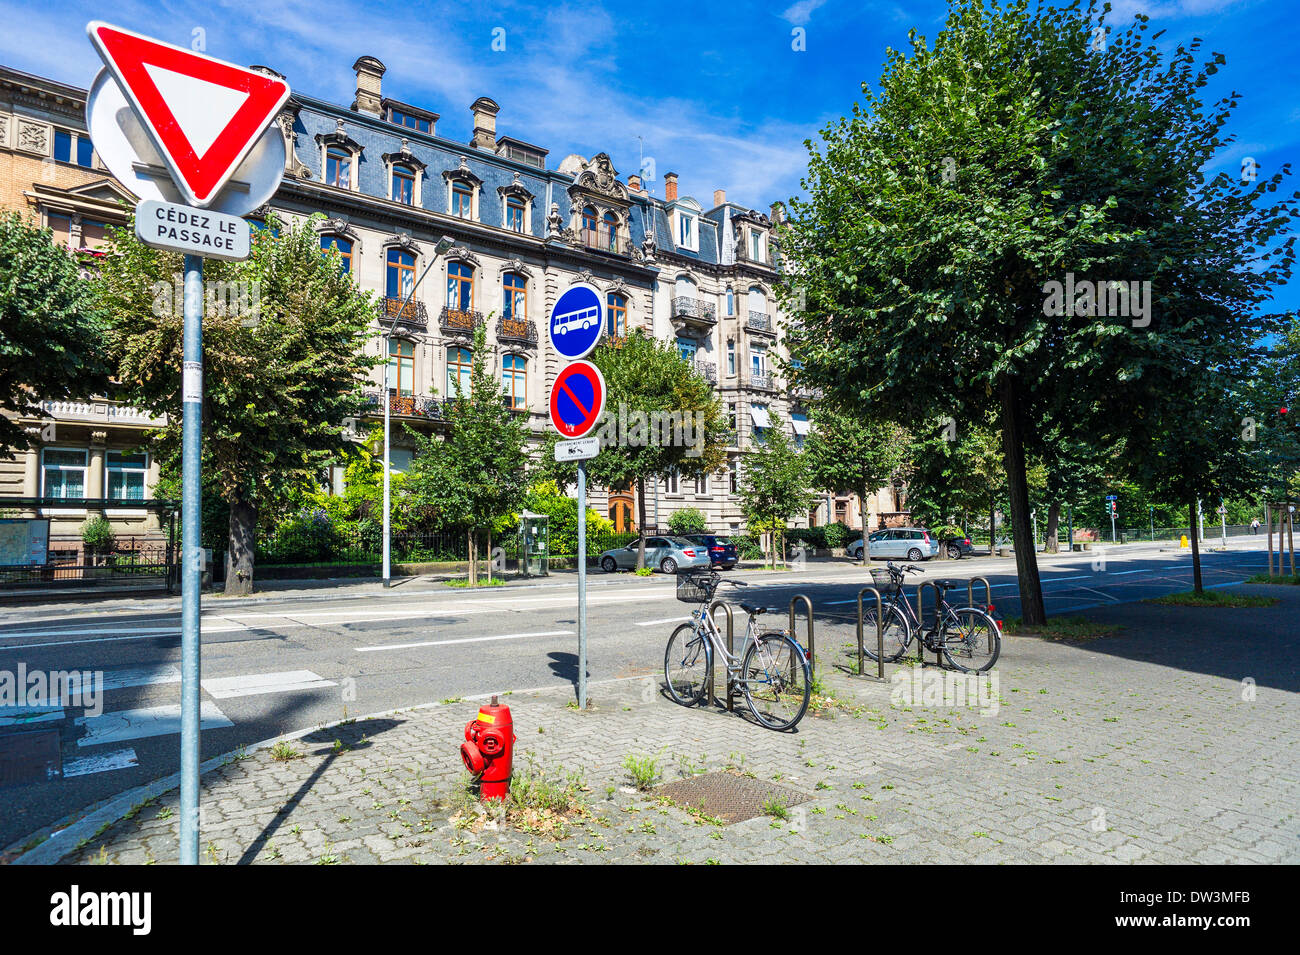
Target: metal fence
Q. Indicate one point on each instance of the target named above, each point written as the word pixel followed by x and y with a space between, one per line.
pixel 132 561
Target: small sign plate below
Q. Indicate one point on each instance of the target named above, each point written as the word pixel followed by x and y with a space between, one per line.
pixel 579 450
pixel 213 235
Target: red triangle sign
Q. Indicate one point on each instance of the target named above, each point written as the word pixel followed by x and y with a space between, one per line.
pixel 203 115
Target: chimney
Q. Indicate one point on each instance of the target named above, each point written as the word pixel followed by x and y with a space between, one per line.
pixel 485 124
pixel 778 212
pixel 670 186
pixel 369 73
pixel 719 197
pixel 634 182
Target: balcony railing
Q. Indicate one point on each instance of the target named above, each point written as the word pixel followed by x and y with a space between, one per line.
pixel 762 382
pixel 692 311
pixel 602 241
pixel 517 330
pixel 410 406
pixel 805 393
pixel 708 369
pixel 760 322
pixel 459 321
pixel 412 313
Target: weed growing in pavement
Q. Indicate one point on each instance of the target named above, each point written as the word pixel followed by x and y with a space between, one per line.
pixel 644 571
pixel 283 752
pixel 482 582
pixel 539 802
pixel 1062 628
pixel 644 770
pixel 1212 598
pixel 776 807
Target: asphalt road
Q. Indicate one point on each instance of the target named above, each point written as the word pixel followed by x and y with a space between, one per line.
pixel 291 662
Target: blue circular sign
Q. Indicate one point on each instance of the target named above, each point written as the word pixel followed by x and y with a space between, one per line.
pixel 576 321
pixel 577 399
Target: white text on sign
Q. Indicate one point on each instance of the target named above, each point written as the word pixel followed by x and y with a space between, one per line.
pixel 579 450
pixel 213 235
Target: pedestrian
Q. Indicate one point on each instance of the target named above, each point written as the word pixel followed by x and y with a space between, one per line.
pixel 1254 525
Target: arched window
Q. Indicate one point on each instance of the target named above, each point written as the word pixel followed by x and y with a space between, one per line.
pixel 462 200
pixel 611 232
pixel 401 366
pixel 616 315
pixel 589 236
pixel 757 301
pixel 338 167
pixel 514 381
pixel 460 287
pixel 731 300
pixel 459 368
pixel 515 214
pixel 403 185
pixel 401 273
pixel 514 296
pixel 342 246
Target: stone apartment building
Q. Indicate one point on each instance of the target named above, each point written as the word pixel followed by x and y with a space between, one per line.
pixel 522 228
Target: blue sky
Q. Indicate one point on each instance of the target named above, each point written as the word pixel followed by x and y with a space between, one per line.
pixel 714 90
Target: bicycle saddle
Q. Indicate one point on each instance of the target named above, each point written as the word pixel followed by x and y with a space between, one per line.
pixel 751 609
pixel 945 584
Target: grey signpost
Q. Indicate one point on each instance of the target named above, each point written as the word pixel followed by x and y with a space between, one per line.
pixel 190 206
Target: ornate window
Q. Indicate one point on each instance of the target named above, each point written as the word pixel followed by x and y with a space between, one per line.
pixel 340 245
pixel 514 296
pixel 515 208
pixel 687 347
pixel 459 371
pixel 514 381
pixel 610 234
pixel 460 286
pixel 338 167
pixel 462 200
pixel 615 315
pixel 403 186
pixel 401 366
pixel 401 273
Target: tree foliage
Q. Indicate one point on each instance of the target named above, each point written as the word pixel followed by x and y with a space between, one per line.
pixel 774 484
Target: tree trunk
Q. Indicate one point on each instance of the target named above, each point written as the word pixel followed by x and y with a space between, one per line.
pixel 1050 542
pixel 640 517
pixel 472 570
pixel 993 522
pixel 242 547
pixel 1032 610
pixel 862 512
pixel 1196 547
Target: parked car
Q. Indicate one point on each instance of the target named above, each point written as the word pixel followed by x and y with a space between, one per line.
pixel 669 554
pixel 722 552
pixel 956 547
pixel 907 543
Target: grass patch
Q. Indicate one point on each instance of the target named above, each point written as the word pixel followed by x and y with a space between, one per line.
pixel 644 571
pixel 776 807
pixel 482 582
pixel 539 803
pixel 1273 579
pixel 644 771
pixel 283 752
pixel 1061 628
pixel 1211 598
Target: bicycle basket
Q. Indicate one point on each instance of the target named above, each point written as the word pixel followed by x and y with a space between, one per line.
pixel 696 588
pixel 883 580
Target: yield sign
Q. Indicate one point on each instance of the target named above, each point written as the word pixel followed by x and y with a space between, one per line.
pixel 203 115
pixel 577 399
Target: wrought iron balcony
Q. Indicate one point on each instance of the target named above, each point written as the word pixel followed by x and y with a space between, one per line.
pixel 517 330
pixel 409 406
pixel 761 382
pixel 708 369
pixel 760 322
pixel 602 241
pixel 459 321
pixel 412 313
pixel 692 314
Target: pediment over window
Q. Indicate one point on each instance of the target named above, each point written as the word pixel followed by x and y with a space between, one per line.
pixel 515 188
pixel 339 137
pixel 462 173
pixel 404 157
pixel 599 177
pixel 337 225
pixel 459 253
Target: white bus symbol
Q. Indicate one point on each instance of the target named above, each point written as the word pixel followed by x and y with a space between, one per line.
pixel 578 318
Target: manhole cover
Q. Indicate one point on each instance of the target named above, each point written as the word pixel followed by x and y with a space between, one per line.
pixel 729 796
pixel 30 758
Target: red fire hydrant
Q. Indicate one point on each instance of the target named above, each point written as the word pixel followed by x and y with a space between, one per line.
pixel 489 748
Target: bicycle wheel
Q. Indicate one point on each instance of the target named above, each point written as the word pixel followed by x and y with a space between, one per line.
pixel 971 643
pixel 776 680
pixel 687 663
pixel 898 633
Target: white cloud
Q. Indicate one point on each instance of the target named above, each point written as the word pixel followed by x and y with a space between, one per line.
pixel 800 13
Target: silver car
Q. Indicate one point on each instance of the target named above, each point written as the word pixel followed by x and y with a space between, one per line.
pixel 668 554
pixel 905 543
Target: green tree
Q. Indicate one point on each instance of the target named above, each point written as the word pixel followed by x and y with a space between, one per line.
pixel 283 366
pixel 50 328
pixel 955 472
pixel 774 485
pixel 850 454
pixel 688 520
pixel 661 416
pixel 475 476
pixel 1012 154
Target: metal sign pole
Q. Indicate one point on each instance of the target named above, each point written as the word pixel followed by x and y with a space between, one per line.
pixel 582 585
pixel 192 556
pixel 387 400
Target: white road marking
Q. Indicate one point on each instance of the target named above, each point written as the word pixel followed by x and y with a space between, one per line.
pixel 141 676
pixel 26 715
pixel 255 684
pixel 122 725
pixel 652 623
pixel 443 643
pixel 100 763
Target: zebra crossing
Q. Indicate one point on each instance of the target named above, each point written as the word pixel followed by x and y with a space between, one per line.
pixel 92 735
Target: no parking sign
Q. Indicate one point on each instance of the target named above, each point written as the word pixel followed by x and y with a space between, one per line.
pixel 577 399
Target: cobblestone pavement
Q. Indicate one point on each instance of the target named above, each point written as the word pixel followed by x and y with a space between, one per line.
pixel 1148 746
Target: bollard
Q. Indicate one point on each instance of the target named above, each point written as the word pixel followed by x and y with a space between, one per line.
pixel 880 633
pixel 812 662
pixel 731 649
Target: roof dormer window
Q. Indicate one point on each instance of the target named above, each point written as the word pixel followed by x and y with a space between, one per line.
pixel 688 232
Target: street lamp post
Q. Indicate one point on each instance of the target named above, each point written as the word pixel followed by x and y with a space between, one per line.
pixel 442 246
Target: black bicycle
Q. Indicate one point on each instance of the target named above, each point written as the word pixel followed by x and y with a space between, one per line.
pixel 968 637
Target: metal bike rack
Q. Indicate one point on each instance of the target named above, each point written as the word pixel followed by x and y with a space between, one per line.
pixel 731 649
pixel 812 659
pixel 920 616
pixel 880 633
pixel 970 591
